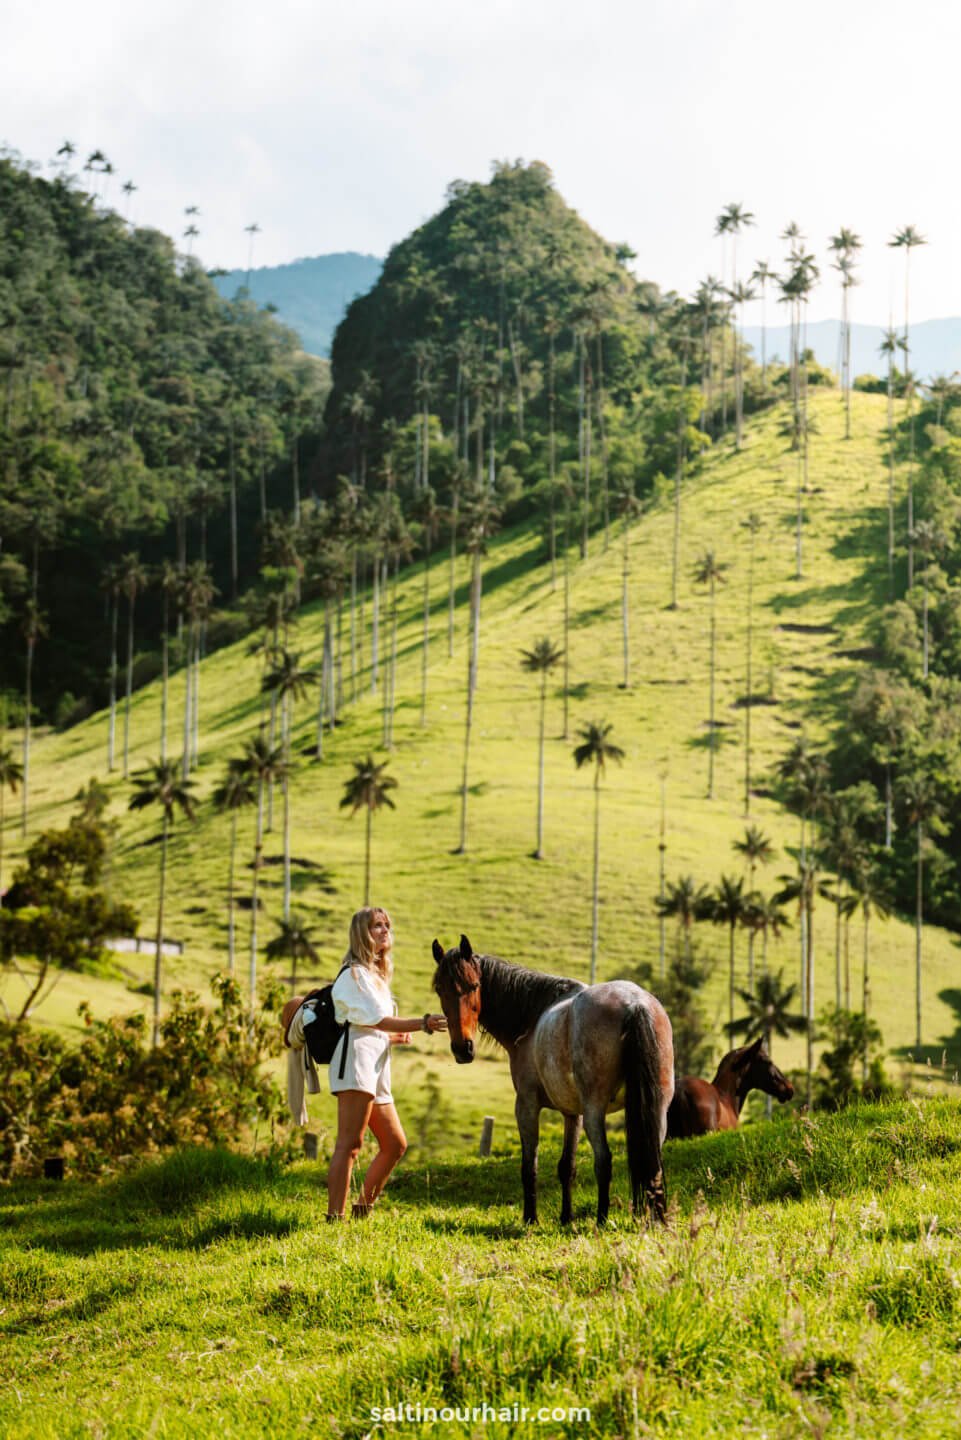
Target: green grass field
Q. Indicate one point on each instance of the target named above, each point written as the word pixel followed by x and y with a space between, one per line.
pixel 539 912
pixel 809 1283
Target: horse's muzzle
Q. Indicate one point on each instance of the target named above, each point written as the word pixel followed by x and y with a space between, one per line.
pixel 464 1052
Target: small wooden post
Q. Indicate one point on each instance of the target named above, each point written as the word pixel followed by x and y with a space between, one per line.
pixel 487 1134
pixel 310 1146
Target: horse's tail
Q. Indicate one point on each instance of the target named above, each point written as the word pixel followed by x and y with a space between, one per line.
pixel 643 1104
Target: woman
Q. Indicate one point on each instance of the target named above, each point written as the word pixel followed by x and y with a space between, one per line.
pixel 361 995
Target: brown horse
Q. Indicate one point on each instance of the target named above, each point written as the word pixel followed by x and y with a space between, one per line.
pixel 699 1107
pixel 582 1050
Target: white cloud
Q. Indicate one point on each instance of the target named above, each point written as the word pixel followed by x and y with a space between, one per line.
pixel 339 126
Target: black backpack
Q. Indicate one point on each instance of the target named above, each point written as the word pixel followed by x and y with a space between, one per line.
pixel 323 1034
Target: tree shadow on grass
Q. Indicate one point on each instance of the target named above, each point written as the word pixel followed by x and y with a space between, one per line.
pixel 947 1052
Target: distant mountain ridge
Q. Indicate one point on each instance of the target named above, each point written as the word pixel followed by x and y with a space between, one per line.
pixel 935 345
pixel 310 295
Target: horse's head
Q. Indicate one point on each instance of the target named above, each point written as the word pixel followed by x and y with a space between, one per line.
pixel 457 981
pixel 759 1072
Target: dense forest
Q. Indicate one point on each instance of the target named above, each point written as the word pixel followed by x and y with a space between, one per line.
pixel 142 419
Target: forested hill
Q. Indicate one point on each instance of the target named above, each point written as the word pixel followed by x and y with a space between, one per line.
pixel 141 416
pixel 516 326
pixel 309 295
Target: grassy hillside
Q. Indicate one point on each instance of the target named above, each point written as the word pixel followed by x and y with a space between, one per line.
pixel 508 903
pixel 807 1284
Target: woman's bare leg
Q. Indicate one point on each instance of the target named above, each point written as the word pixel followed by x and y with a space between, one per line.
pixel 389 1133
pixel 353 1113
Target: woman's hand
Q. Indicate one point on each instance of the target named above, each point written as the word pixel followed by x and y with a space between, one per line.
pixel 401 1037
pixel 433 1023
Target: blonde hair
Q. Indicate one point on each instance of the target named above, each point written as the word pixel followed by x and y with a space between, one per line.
pixel 362 952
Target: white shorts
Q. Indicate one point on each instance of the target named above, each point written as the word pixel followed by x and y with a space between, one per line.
pixel 368 1065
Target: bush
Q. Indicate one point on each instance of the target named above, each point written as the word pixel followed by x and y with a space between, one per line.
pixel 71 710
pixel 111 1097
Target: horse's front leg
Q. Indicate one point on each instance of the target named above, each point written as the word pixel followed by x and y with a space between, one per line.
pixel 527 1109
pixel 568 1164
pixel 595 1123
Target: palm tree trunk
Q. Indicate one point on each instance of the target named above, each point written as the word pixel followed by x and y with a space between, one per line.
pixel 322 688
pixel 375 627
pixel 158 950
pixel 233 512
pixel 165 678
pixel 28 698
pixel 888 806
pixel 710 723
pixel 230 893
pixel 471 684
pixel 625 621
pixel 552 455
pixel 748 698
pixel 196 704
pixel 258 850
pixel 1 841
pixel 126 713
pixel 112 724
pixel 453 575
pixel 426 639
pixel 837 949
pixel 730 984
pixel 597 855
pixel 287 722
pixel 353 623
pixel 918 927
pixel 367 857
pixel 588 397
pixel 567 618
pixel 539 849
pixel 809 907
pixel 866 989
pixel 188 730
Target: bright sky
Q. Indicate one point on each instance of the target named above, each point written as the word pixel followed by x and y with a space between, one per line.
pixel 338 126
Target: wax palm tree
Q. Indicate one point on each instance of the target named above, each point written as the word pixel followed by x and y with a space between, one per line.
pixel 756 849
pixel 920 801
pixel 250 230
pixel 890 344
pixel 871 893
pixel 169 580
pixel 681 457
pixel 541 660
pixel 908 239
pixel 768 1014
pixel 162 784
pixel 481 517
pixel 234 793
pixel 752 524
pixel 930 539
pixel 110 584
pixel 265 765
pixel 368 789
pixel 771 921
pixel 290 682
pixel 728 906
pixel 686 903
pixel 629 508
pixel 740 295
pixel 710 571
pixel 293 942
pixel 802 887
pixel 845 246
pixel 133 579
pixel 11 774
pixel 596 749
pixel 428 513
pixel 762 274
pixel 33 626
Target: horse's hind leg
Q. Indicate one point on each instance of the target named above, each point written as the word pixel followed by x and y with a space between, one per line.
pixel 527 1111
pixel 568 1164
pixel 595 1123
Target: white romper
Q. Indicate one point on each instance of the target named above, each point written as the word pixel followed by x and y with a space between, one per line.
pixel 362 998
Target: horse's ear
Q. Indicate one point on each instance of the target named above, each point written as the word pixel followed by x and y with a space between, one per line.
pixel 757 1047
pixel 466 949
pixel 437 951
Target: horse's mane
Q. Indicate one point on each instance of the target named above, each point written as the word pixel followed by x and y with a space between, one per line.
pixel 514 998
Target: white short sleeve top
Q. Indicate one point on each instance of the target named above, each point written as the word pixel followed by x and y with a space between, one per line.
pixel 361 997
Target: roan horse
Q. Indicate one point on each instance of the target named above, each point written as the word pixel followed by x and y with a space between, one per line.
pixel 584 1051
pixel 699 1107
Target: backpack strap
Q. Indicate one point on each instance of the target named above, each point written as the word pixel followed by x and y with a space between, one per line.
pixel 343 1053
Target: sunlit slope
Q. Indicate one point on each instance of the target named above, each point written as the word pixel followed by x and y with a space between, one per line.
pixel 539 913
